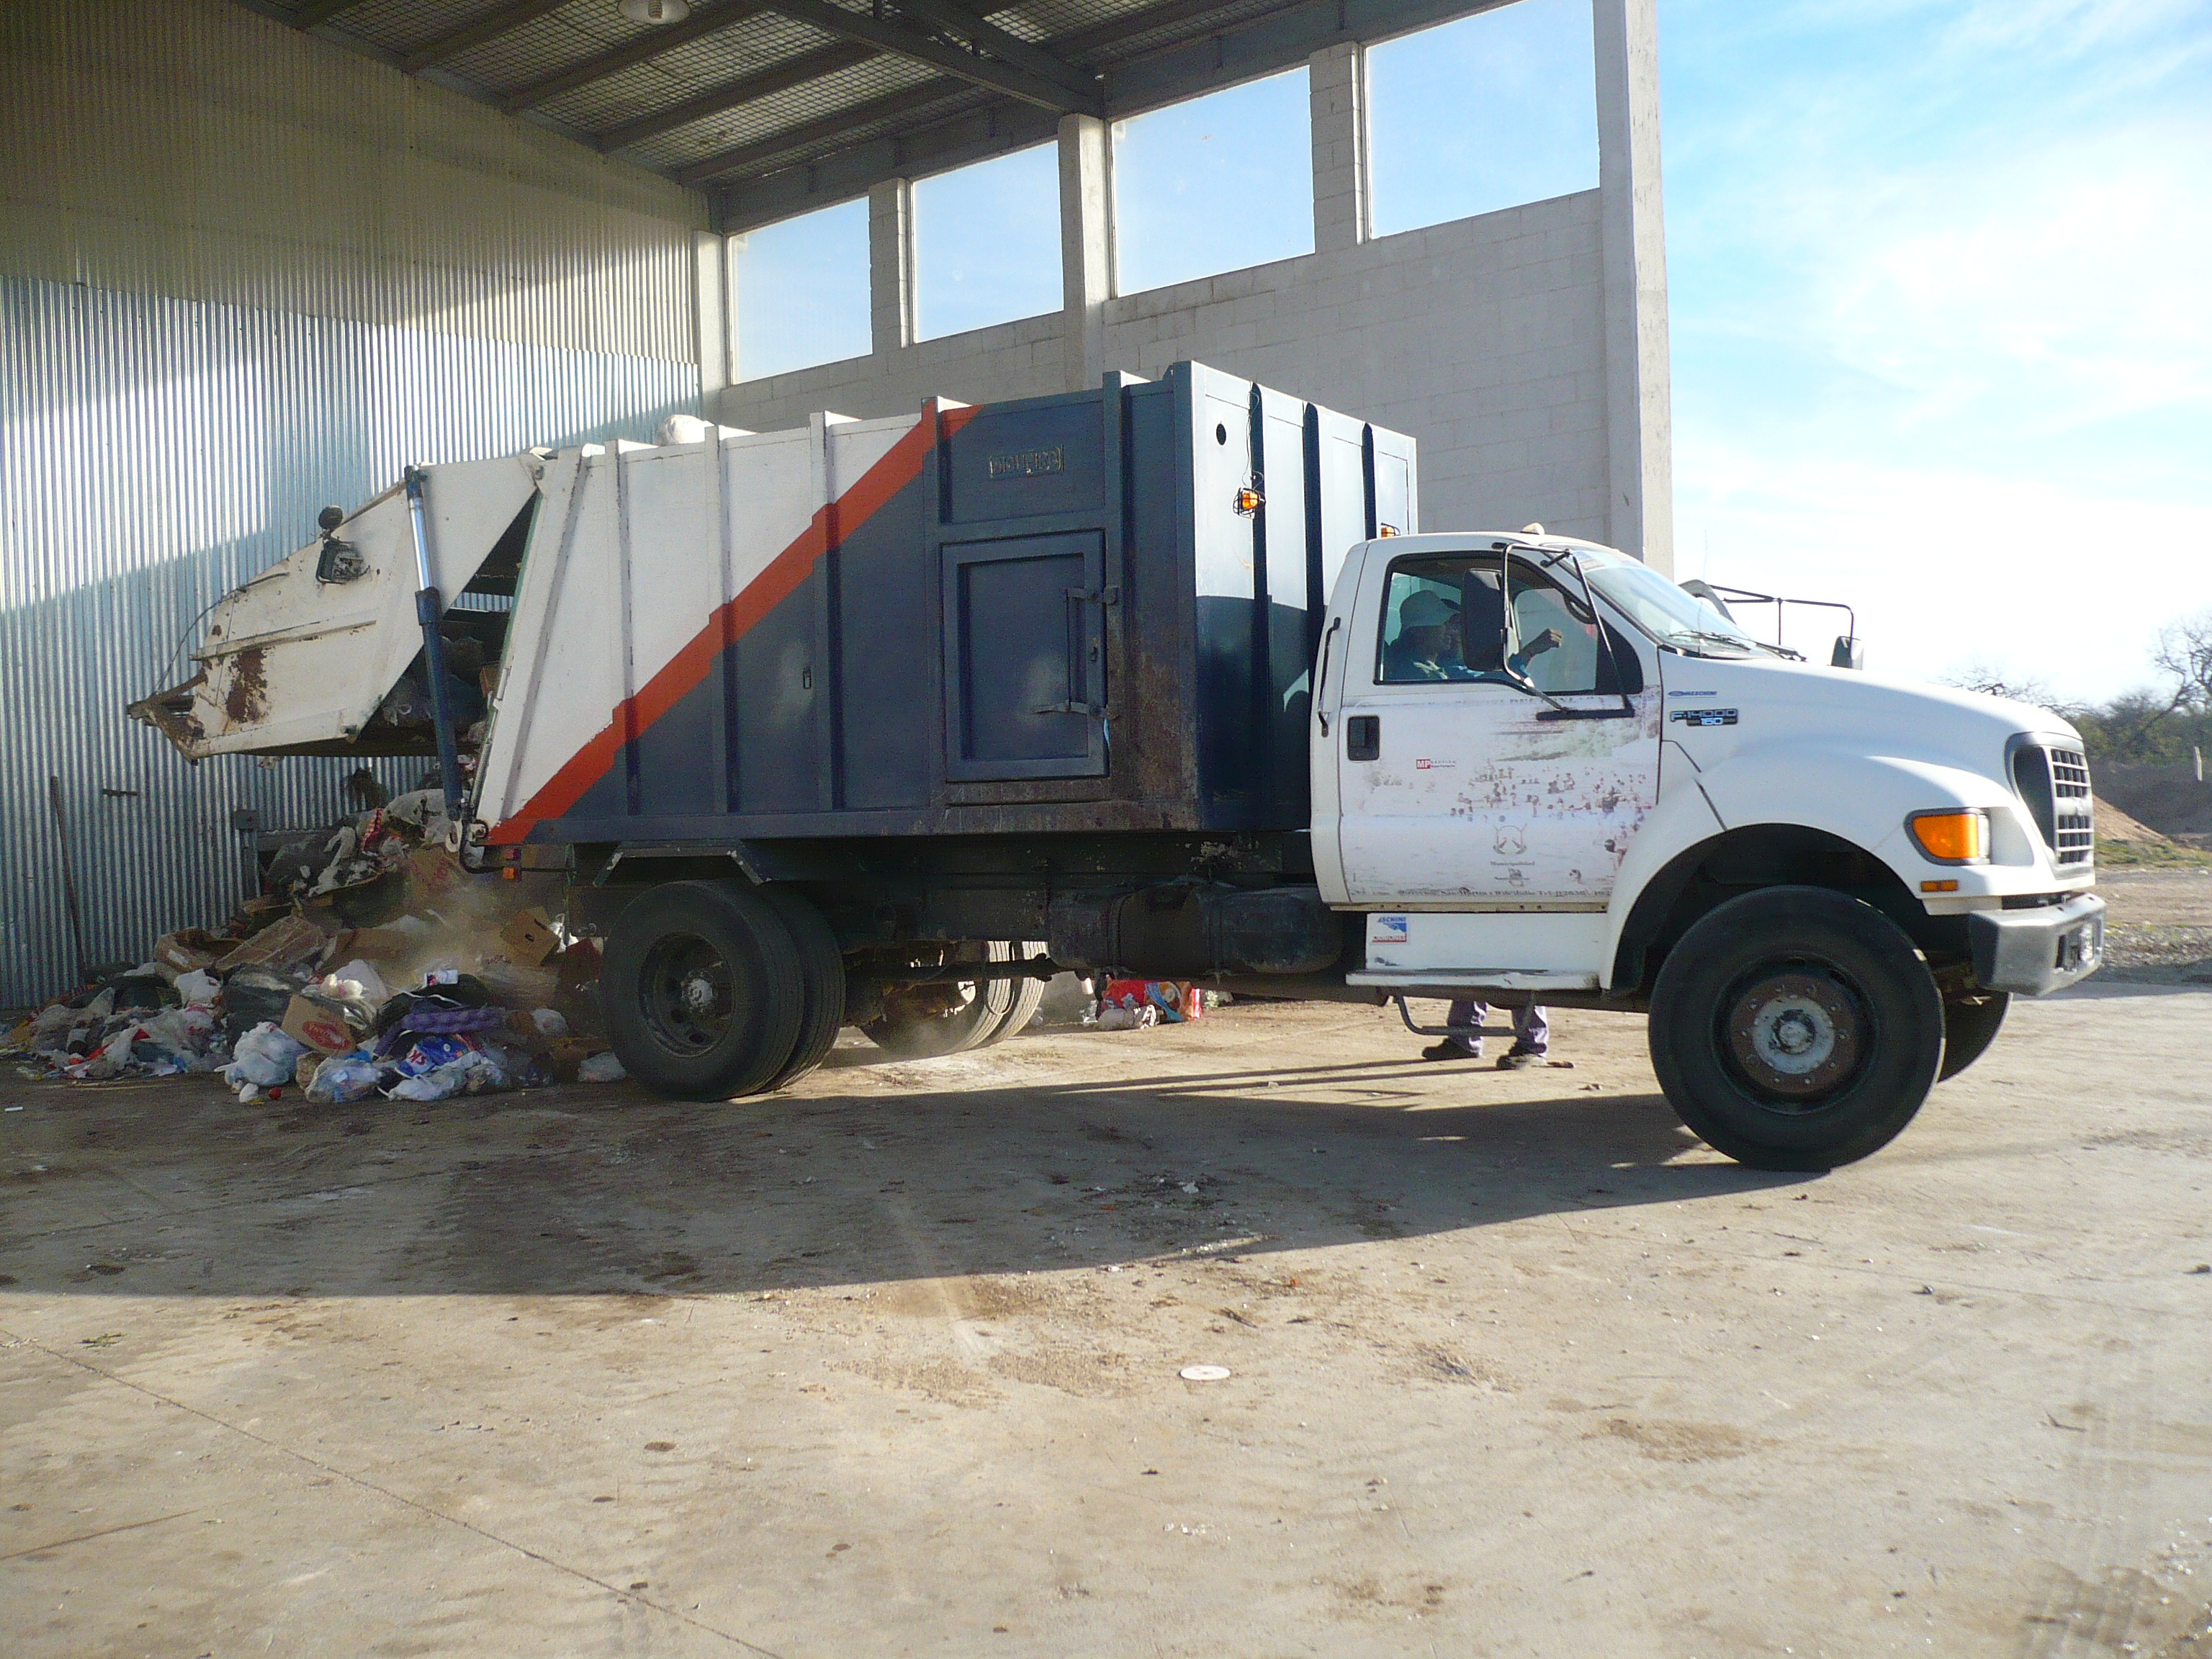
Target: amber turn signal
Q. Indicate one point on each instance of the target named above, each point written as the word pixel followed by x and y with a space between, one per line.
pixel 1952 838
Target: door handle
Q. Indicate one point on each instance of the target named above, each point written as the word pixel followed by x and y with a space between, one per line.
pixel 1362 737
pixel 1321 675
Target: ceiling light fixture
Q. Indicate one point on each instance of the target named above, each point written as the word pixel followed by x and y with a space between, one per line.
pixel 655 11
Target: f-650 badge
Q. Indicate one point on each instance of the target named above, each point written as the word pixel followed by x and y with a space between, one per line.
pixel 1705 716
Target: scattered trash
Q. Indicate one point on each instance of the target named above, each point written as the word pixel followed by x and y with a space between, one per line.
pixel 1134 1004
pixel 601 1068
pixel 1204 1373
pixel 369 962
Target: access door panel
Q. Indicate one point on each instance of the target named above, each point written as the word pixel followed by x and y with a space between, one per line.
pixel 1024 657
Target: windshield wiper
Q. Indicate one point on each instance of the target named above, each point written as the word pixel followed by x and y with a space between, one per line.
pixel 1739 643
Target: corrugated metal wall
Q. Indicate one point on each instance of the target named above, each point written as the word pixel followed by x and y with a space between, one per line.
pixel 244 273
pixel 154 453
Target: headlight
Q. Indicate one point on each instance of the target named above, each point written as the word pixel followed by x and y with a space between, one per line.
pixel 1952 836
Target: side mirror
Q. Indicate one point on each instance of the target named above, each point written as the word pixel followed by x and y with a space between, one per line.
pixel 329 519
pixel 1849 652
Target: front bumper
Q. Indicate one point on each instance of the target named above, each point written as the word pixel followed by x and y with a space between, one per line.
pixel 2035 952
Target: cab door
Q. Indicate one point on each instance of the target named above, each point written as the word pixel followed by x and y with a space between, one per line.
pixel 1456 789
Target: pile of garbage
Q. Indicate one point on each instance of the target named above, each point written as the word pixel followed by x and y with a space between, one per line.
pixel 1137 1005
pixel 370 964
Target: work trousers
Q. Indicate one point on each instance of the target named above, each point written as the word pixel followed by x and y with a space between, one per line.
pixel 1532 1032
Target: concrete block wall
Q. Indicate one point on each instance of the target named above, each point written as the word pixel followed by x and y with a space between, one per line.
pixel 1482 338
pixel 1525 349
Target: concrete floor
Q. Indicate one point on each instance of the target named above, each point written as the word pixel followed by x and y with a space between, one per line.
pixel 889 1365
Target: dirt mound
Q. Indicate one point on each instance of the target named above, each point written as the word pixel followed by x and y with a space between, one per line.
pixel 2167 799
pixel 2113 824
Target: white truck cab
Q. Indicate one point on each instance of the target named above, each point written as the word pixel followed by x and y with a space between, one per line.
pixel 1540 767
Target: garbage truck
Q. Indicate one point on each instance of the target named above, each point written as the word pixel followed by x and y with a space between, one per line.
pixel 883 722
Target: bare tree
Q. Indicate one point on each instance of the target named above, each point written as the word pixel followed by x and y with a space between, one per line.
pixel 1997 680
pixel 2185 654
pixel 2185 651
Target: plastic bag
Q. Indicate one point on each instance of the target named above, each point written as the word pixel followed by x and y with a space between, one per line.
pixel 367 983
pixel 472 1073
pixel 601 1068
pixel 430 1054
pixel 198 986
pixel 342 1078
pixel 50 1031
pixel 265 1055
pixel 550 1021
pixel 184 1032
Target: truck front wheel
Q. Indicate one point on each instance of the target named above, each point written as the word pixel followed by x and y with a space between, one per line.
pixel 1969 1025
pixel 704 990
pixel 1795 1029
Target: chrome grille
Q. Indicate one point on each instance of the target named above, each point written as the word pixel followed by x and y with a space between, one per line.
pixel 2054 782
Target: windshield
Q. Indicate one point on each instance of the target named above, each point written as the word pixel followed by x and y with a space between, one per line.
pixel 1669 615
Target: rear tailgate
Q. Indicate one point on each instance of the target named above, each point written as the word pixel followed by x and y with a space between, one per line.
pixel 292 664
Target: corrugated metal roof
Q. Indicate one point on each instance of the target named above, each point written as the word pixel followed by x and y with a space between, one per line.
pixel 587 70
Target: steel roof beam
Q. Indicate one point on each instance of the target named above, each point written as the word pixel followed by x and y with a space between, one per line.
pixel 1066 91
pixel 1011 48
pixel 501 20
pixel 316 13
pixel 735 95
pixel 705 21
pixel 910 101
pixel 766 181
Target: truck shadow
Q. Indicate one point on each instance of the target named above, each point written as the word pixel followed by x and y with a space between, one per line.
pixel 172 1188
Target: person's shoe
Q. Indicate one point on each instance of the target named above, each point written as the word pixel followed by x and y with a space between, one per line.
pixel 1450 1048
pixel 1516 1059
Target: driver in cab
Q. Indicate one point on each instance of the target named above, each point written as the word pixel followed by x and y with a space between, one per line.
pixel 1432 640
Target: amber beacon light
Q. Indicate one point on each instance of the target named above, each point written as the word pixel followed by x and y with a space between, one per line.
pixel 1952 838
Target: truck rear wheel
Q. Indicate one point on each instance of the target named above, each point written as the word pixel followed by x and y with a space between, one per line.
pixel 822 967
pixel 703 991
pixel 931 1020
pixel 1796 1028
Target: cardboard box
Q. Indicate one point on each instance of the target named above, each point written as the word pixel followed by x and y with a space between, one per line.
pixel 568 1053
pixel 432 869
pixel 392 945
pixel 319 1026
pixel 529 939
pixel 295 942
pixel 186 950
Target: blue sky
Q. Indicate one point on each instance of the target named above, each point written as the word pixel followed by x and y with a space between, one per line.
pixel 1939 274
pixel 1941 299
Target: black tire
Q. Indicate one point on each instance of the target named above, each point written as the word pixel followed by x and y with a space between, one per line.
pixel 977 1017
pixel 1795 1029
pixel 703 990
pixel 1969 1028
pixel 1028 997
pixel 822 966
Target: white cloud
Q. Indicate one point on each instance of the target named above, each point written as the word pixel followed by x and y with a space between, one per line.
pixel 1949 567
pixel 1943 344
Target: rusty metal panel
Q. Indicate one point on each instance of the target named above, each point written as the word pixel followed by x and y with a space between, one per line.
pixel 154 454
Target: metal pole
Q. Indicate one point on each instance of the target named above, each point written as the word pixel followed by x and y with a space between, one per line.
pixel 69 880
pixel 428 608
